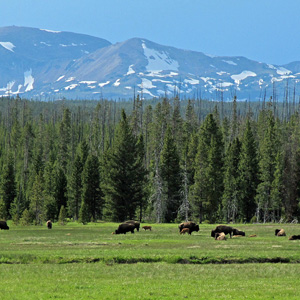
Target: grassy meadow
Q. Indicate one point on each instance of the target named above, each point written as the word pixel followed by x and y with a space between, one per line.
pixel 88 262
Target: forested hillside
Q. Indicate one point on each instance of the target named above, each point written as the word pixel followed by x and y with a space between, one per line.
pixel 163 160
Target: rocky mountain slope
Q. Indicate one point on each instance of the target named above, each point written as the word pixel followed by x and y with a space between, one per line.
pixel 47 64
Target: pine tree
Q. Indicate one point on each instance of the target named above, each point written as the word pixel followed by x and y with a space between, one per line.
pixel 266 170
pixel 62 216
pixel 171 175
pixel 8 186
pixel 121 187
pixel 208 180
pixel 248 174
pixel 60 188
pixel 75 180
pixel 91 192
pixel 231 177
pixel 37 201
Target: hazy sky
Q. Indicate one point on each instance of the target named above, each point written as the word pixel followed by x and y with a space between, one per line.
pixel 262 30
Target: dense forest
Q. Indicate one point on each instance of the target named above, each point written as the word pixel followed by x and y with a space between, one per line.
pixel 160 160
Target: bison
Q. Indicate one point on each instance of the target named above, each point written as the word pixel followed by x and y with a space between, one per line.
pixel 185 230
pixel 192 226
pixel 49 224
pixel 222 228
pixel 147 228
pixel 3 225
pixel 125 227
pixel 252 235
pixel 220 236
pixel 280 232
pixel 238 232
pixel 294 237
pixel 135 223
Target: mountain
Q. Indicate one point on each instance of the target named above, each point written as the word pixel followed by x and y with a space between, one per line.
pixel 51 65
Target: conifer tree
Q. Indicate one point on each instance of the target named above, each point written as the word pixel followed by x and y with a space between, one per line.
pixel 37 201
pixel 248 174
pixel 231 178
pixel 8 186
pixel 208 179
pixel 91 192
pixel 266 170
pixel 121 187
pixel 171 175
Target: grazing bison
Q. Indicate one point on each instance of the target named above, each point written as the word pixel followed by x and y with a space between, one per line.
pixel 223 228
pixel 135 223
pixel 280 232
pixel 294 237
pixel 49 224
pixel 220 236
pixel 3 225
pixel 238 232
pixel 147 228
pixel 185 230
pixel 125 227
pixel 192 226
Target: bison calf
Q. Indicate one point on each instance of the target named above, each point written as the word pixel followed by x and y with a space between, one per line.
pixel 185 230
pixel 220 236
pixel 147 228
pixel 280 232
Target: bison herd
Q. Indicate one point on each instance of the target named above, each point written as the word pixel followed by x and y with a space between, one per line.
pixel 219 233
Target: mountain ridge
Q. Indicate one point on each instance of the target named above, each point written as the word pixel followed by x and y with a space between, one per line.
pixel 53 64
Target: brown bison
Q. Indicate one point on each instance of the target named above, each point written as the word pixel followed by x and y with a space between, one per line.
pixel 280 232
pixel 125 227
pixel 223 228
pixel 252 235
pixel 136 224
pixel 294 237
pixel 147 228
pixel 49 224
pixel 3 225
pixel 185 230
pixel 192 226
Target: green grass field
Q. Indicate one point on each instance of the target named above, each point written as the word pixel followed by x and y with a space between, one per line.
pixel 88 262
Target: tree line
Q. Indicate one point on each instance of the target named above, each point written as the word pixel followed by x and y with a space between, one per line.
pixel 163 160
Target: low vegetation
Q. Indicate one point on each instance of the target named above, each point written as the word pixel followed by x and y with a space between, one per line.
pixel 90 262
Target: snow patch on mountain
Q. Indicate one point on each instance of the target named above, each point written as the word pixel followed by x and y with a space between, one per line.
pixel 88 82
pixel 102 84
pixel 239 77
pixel 159 60
pixel 130 70
pixel 191 81
pixel 71 86
pixel 147 84
pixel 8 45
pixel 225 84
pixel 282 71
pixel 28 80
pixel 51 31
pixel 230 62
pixel 117 82
pixel 60 78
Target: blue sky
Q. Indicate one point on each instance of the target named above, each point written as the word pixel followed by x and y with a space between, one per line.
pixel 262 30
